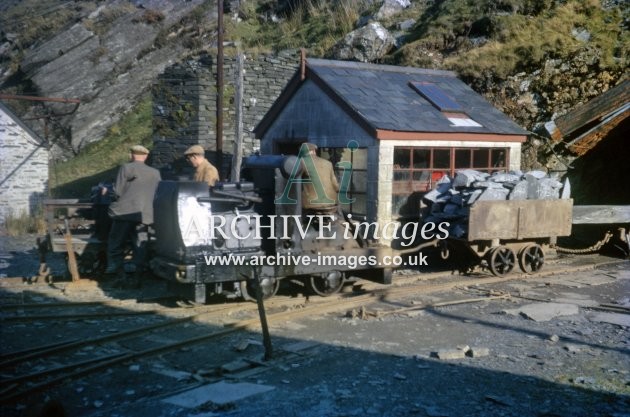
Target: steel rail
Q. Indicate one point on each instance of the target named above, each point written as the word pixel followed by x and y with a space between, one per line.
pixel 13 354
pixel 340 302
pixel 44 351
pixel 18 306
pixel 330 306
pixel 72 317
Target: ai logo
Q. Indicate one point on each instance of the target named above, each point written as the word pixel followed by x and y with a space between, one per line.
pixel 307 163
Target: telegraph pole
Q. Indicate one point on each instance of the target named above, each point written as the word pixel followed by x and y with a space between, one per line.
pixel 219 126
pixel 238 101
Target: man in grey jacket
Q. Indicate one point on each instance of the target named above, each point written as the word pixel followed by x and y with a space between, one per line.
pixel 132 211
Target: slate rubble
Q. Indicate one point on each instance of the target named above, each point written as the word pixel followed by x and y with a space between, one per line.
pixel 451 199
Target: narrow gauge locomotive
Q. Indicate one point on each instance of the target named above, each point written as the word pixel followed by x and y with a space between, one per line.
pixel 221 239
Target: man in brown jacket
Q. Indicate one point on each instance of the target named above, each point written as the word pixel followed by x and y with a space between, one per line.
pixel 204 170
pixel 320 192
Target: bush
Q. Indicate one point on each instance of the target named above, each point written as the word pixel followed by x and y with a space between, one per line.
pixel 24 223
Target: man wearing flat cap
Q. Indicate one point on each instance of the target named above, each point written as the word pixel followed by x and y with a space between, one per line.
pixel 320 188
pixel 204 170
pixel 132 212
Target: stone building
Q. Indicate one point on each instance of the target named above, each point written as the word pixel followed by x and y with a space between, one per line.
pixel 401 128
pixel 24 167
pixel 184 106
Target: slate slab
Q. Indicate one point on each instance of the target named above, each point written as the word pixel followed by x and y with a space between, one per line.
pixel 544 311
pixel 613 318
pixel 219 393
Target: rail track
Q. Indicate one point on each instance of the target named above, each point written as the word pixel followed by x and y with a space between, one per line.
pixel 57 363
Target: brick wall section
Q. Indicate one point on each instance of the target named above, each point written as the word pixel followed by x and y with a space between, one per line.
pixel 23 169
pixel 184 105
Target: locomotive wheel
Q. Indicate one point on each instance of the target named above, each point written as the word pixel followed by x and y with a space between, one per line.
pixel 326 285
pixel 531 258
pixel 501 260
pixel 269 287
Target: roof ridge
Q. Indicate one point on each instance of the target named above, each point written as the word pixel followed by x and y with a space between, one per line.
pixel 377 67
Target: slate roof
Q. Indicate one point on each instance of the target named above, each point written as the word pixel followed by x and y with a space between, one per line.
pixel 380 95
pixel 5 109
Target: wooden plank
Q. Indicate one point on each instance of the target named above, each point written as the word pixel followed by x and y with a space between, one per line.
pixel 595 109
pixel 601 214
pixel 519 219
pixel 72 259
pixel 67 202
pixel 587 141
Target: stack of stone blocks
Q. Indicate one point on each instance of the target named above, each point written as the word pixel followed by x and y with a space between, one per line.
pixel 452 198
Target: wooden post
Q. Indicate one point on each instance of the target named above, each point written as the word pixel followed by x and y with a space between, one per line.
pixel 238 138
pixel 219 125
pixel 263 316
pixel 72 260
pixel 302 64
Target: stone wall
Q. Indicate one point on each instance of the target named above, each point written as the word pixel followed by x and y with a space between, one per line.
pixel 23 171
pixel 184 105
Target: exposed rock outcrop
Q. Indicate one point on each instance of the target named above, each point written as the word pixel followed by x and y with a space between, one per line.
pixel 108 60
pixel 366 44
pixel 391 8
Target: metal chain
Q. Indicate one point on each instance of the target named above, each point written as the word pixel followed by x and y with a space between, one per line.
pixel 593 248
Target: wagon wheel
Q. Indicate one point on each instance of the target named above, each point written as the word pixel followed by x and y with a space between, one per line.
pixel 326 284
pixel 269 288
pixel 501 260
pixel 531 258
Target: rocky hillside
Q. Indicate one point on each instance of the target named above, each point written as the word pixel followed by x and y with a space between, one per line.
pixel 107 54
pixel 534 59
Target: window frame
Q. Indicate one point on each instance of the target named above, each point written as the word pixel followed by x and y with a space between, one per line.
pixel 411 185
pixel 334 157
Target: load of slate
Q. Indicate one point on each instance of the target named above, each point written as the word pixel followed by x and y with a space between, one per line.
pixel 451 199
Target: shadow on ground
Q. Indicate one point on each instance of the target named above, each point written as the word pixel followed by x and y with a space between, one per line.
pixel 328 378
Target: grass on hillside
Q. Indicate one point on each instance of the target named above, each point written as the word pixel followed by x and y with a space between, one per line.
pixel 518 42
pixel 520 34
pixel 99 161
pixel 313 24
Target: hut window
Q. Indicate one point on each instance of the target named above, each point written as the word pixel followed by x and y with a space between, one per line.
pixel 358 181
pixel 416 171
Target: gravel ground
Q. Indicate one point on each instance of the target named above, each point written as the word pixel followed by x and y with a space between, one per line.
pixel 19 257
pixel 571 361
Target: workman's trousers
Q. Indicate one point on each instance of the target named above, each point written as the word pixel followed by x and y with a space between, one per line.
pixel 121 232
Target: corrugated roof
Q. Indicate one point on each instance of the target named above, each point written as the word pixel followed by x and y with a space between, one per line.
pixel 382 96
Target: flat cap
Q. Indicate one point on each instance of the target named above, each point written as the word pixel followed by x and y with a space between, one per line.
pixel 139 150
pixel 195 150
pixel 306 147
